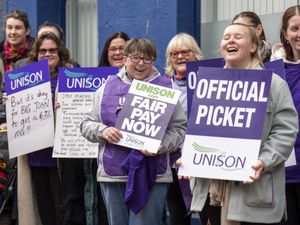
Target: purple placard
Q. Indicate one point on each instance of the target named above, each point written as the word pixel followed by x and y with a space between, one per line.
pixel 160 123
pixel 277 66
pixel 83 79
pixel 240 118
pixel 26 77
pixel 192 69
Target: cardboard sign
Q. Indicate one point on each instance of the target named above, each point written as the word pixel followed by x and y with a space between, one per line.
pixel 226 123
pixel 76 87
pixel 145 115
pixel 29 109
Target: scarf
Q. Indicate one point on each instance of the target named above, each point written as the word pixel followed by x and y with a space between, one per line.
pixel 180 77
pixel 12 55
pixel 141 178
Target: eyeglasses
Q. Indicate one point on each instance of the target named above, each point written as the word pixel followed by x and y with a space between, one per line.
pixel 51 51
pixel 137 59
pixel 184 53
pixel 114 49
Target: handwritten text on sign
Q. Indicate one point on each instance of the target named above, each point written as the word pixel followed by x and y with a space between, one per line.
pixel 76 90
pixel 29 109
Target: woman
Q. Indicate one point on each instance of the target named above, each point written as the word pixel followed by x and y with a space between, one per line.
pixel 112 55
pixel 181 49
pixel 18 41
pixel 113 50
pixel 99 127
pixel 289 51
pixel 252 19
pixel 240 51
pixel 44 169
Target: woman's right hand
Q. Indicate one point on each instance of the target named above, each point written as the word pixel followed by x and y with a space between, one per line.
pixel 4 98
pixel 112 134
pixel 178 163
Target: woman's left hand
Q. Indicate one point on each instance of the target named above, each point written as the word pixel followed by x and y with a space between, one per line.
pixel 258 167
pixel 56 105
pixel 150 154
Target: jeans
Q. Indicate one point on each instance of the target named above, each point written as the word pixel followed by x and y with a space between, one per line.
pixel 94 205
pixel 118 213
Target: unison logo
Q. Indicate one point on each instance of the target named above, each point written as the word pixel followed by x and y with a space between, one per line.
pixel 215 157
pixel 83 80
pixel 22 79
pixel 134 141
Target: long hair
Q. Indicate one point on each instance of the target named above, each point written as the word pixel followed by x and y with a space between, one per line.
pixel 288 14
pixel 179 41
pixel 104 56
pixel 63 52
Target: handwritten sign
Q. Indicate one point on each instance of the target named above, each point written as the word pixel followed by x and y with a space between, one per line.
pixel 29 111
pixel 76 87
pixel 145 115
pixel 226 123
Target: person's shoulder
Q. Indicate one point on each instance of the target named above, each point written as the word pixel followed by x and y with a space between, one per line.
pixel 278 52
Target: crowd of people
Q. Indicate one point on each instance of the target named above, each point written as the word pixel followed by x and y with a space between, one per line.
pixel 54 191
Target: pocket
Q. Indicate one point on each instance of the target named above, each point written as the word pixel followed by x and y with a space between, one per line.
pixel 261 193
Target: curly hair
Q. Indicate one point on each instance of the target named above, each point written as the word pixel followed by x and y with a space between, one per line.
pixel 63 52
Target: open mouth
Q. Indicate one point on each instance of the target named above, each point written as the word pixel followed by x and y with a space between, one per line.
pixel 232 49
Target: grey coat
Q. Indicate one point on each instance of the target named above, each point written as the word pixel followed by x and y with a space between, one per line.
pixel 264 200
pixel 92 127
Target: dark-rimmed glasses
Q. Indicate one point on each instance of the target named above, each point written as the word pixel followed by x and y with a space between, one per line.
pixel 137 59
pixel 184 53
pixel 114 49
pixel 51 51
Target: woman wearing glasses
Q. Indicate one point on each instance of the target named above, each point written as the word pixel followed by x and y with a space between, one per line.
pixel 99 127
pixel 251 19
pixel 181 49
pixel 112 55
pixel 44 169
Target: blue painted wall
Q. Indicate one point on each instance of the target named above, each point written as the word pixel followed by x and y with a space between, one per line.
pixel 38 11
pixel 158 20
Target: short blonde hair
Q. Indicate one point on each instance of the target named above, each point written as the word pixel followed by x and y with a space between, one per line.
pixel 178 41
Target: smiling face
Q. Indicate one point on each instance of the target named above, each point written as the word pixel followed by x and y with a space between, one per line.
pixel 138 70
pixel 15 32
pixel 292 35
pixel 49 50
pixel 179 57
pixel 236 46
pixel 116 52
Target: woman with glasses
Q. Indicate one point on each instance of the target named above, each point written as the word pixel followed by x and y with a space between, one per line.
pixel 181 49
pixel 44 170
pixel 113 50
pixel 112 55
pixel 251 19
pixel 139 56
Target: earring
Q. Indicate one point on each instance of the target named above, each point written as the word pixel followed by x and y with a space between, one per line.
pixel 288 42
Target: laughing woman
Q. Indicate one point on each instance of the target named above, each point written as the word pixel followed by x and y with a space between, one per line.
pixel 98 127
pixel 261 198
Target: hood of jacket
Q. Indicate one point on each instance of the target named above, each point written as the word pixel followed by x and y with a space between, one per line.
pixel 278 52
